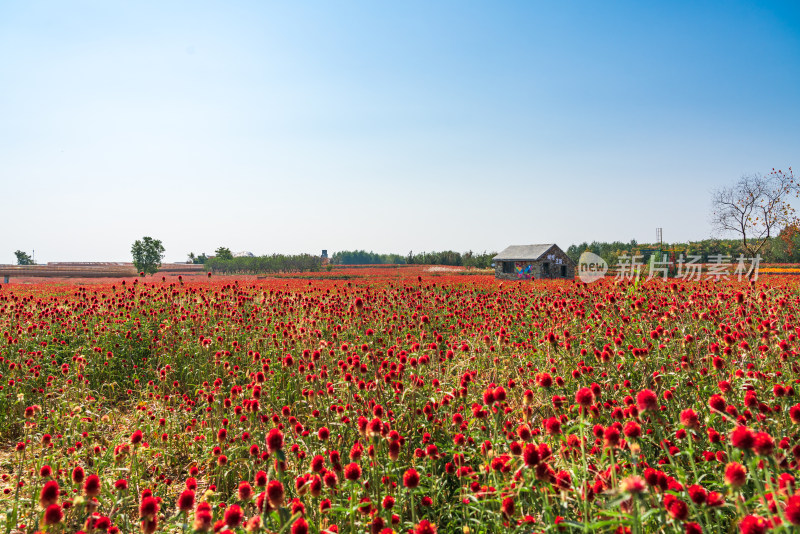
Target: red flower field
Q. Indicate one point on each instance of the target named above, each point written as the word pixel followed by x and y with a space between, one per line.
pixel 399 400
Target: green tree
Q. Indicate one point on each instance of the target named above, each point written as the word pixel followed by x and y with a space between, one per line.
pixel 147 254
pixel 201 259
pixel 23 258
pixel 223 253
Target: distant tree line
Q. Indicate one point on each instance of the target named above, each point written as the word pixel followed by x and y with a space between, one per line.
pixel 782 249
pixel 362 257
pixel 446 257
pixel 276 263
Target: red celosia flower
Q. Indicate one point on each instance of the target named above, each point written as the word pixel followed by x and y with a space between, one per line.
pixel 697 494
pixel 507 507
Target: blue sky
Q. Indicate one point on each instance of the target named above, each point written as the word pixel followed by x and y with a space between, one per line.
pixel 388 126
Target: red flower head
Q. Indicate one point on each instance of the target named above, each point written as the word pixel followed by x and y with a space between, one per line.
pixel 352 471
pixel 689 418
pixel 274 440
pixel 411 478
pixel 531 455
pixel 136 437
pixel 275 493
pixel 647 400
pixel 49 493
pixel 300 526
pixel 261 479
pixel 735 475
pixel 234 516
pixel 324 433
pixel 763 444
pixel 507 507
pixel 245 491
pixel 742 438
pixel 148 508
pixel 753 524
pixel 92 486
pixel 792 510
pixel 77 474
pixel 203 518
pixel 53 515
pixel 186 501
pixel 633 485
pixel 584 397
pixel 678 509
pixel 425 527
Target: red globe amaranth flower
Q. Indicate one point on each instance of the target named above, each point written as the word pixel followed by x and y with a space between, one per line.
pixel 300 526
pixel 245 491
pixel 148 508
pixel 53 515
pixel 742 438
pixel 411 478
pixel 763 444
pixel 186 501
pixel 275 493
pixel 633 485
pixel 678 510
pixel 136 437
pixel 425 527
pixel 202 518
pixel 584 397
pixel 49 493
pixel 647 400
pixel 77 474
pixel 274 440
pixel 507 507
pixel 792 510
pixel 735 475
pixel 693 528
pixel 234 516
pixel 689 418
pixel 352 471
pixel 92 486
pixel 753 524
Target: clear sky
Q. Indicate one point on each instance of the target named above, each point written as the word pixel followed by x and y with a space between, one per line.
pixel 386 126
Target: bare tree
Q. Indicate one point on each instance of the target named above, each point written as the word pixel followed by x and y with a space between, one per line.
pixel 755 208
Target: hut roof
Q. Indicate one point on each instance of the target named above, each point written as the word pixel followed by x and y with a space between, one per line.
pixel 524 252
